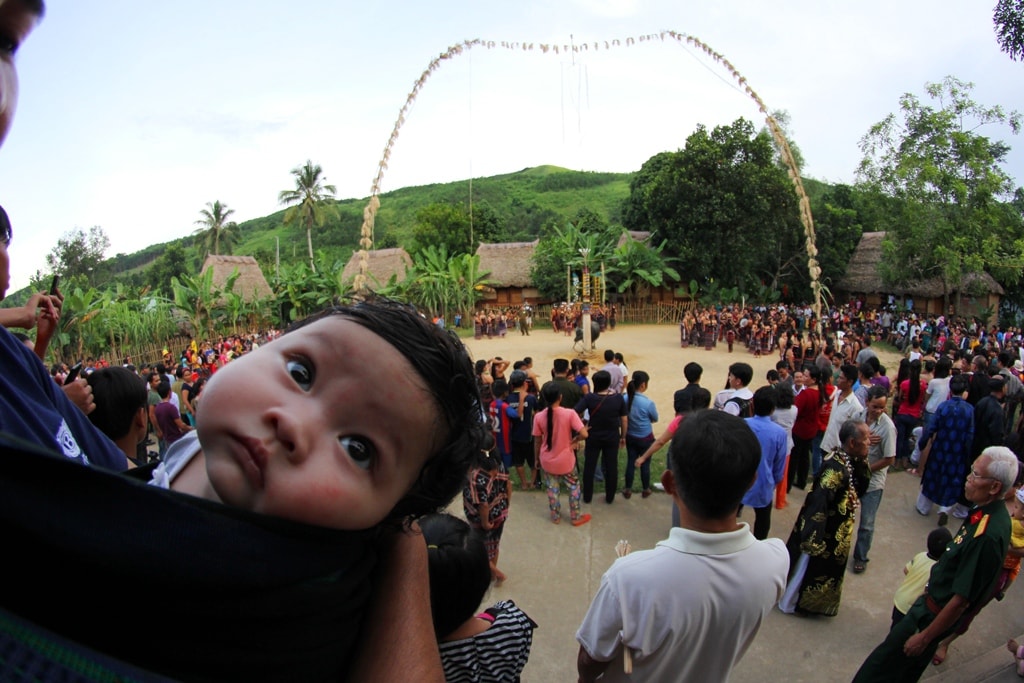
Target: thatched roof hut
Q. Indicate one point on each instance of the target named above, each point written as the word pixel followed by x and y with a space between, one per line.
pixel 250 285
pixel 383 263
pixel 508 266
pixel 635 235
pixel 509 263
pixel 862 277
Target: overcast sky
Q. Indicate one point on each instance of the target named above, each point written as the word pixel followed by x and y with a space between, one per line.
pixel 134 114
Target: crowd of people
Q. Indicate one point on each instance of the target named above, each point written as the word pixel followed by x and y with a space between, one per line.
pixel 829 419
pixel 490 323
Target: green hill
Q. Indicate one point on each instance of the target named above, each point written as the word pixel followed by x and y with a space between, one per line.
pixel 523 203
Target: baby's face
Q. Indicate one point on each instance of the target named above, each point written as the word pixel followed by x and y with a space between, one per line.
pixel 328 425
pixel 1017 510
pixel 16 21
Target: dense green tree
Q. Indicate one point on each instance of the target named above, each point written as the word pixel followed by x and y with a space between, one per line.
pixel 172 263
pixel 1008 18
pixel 308 202
pixel 526 220
pixel 950 182
pixel 78 256
pixel 726 209
pixel 215 231
pixel 453 227
pixel 838 224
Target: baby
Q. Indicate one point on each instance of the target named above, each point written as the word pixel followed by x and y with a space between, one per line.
pixel 355 416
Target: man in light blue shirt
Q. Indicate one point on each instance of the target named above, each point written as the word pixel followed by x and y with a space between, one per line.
pixel 773 442
pixel 640 433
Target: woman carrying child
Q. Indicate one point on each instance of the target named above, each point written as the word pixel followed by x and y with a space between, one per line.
pixel 555 433
pixel 490 646
pixel 485 501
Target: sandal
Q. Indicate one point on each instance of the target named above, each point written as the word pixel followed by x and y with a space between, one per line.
pixel 581 520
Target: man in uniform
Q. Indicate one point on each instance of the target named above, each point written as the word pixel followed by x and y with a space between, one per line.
pixel 963 576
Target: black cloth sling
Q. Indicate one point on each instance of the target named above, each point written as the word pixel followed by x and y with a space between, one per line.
pixel 183 587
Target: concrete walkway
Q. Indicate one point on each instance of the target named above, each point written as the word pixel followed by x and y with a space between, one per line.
pixel 554 570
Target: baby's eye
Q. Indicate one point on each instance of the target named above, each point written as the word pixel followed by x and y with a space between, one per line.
pixel 8 45
pixel 359 449
pixel 302 372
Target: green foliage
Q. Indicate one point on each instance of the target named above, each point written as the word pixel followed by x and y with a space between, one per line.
pixel 949 180
pixel 303 290
pixel 842 213
pixel 103 324
pixel 198 298
pixel 561 248
pixel 636 267
pixel 454 228
pixel 1008 18
pixel 79 254
pixel 172 263
pixel 441 283
pixel 723 205
pixel 525 202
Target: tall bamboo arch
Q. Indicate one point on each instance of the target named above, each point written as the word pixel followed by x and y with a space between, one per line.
pixel 370 212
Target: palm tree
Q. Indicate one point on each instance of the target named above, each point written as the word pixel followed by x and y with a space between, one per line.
pixel 308 201
pixel 213 223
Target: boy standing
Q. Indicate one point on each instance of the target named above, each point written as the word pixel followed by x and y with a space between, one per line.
pixel 525 406
pixel 168 418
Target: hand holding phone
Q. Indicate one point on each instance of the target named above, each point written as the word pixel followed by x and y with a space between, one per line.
pixel 73 375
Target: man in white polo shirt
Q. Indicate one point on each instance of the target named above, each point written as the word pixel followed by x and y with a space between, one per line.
pixel 690 608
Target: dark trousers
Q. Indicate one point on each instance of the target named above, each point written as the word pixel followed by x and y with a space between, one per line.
pixel 762 521
pixel 887 661
pixel 635 447
pixel 608 450
pixel 799 462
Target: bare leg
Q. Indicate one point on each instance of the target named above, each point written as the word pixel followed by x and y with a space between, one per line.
pixel 521 471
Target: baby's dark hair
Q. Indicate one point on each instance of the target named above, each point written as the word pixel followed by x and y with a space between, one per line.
pixel 460 572
pixel 938 539
pixel 445 368
pixel 6 232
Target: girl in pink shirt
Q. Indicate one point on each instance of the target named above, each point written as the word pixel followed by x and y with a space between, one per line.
pixel 555 433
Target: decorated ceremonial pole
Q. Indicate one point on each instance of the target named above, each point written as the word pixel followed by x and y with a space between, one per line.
pixel 587 343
